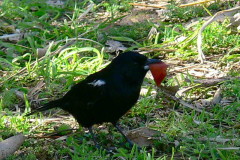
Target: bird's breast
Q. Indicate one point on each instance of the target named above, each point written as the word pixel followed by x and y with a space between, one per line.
pixel 125 95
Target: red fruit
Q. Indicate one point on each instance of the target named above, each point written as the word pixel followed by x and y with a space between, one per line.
pixel 159 72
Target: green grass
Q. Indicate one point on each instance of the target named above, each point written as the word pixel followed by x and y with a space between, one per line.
pixel 183 133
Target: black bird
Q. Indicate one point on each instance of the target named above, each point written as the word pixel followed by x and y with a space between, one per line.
pixel 106 95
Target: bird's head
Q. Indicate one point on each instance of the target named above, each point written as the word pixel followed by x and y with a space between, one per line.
pixel 134 66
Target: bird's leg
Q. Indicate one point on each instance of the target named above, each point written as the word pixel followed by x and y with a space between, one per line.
pixel 120 130
pixel 94 137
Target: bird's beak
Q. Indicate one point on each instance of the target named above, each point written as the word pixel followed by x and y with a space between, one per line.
pixel 151 61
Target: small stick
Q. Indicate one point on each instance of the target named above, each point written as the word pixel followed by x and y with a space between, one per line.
pixel 211 82
pixel 157 49
pixel 217 16
pixel 195 3
pixel 163 7
pixel 229 148
pixel 86 12
pixel 147 5
pixel 185 104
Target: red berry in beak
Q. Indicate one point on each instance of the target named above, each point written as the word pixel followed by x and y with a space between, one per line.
pixel 159 71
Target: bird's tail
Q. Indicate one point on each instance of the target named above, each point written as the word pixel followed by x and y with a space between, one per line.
pixel 47 106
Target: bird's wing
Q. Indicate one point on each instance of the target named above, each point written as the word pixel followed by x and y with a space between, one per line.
pixel 87 93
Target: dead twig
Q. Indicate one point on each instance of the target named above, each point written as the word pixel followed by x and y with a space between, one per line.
pixel 184 104
pixel 148 5
pixel 211 82
pixel 219 139
pixel 16 36
pixel 157 49
pixel 86 12
pixel 217 16
pixel 206 83
pixel 164 6
pixel 195 3
pixel 181 92
pixel 229 148
pixel 42 137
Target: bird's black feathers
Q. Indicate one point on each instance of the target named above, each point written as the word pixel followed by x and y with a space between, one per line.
pixel 106 95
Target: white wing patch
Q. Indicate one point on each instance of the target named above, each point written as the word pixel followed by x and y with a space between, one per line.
pixel 97 83
pixel 146 67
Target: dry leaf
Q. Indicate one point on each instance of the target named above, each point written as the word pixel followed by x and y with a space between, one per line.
pixel 142 136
